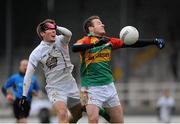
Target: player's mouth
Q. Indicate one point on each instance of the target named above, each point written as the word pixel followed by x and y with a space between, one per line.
pixel 53 36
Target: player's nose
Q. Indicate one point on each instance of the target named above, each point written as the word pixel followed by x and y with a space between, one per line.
pixel 53 31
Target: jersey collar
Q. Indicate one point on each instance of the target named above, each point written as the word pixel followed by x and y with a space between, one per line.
pixel 47 43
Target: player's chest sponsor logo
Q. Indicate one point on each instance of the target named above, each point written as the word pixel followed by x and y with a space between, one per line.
pixel 50 59
pixel 99 55
pixel 51 62
pixel 102 55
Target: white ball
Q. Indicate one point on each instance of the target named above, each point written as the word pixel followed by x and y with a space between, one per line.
pixel 129 35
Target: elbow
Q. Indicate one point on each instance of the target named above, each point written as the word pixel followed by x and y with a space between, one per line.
pixel 74 48
pixel 66 32
pixel 70 34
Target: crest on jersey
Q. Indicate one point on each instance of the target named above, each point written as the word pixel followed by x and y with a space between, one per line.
pixel 51 62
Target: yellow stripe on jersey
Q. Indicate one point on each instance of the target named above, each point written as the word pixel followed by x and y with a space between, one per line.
pixel 102 56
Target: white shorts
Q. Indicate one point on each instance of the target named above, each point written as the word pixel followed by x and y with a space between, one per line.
pixel 102 96
pixel 63 91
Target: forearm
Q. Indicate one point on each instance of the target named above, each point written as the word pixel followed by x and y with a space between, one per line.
pixel 141 43
pixel 81 48
pixel 27 79
pixel 64 31
pixel 4 91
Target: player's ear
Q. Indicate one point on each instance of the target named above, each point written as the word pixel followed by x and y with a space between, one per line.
pixel 91 29
pixel 42 34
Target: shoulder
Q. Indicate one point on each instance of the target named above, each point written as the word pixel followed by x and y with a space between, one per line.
pixel 13 77
pixel 84 40
pixel 171 98
pixel 58 37
pixel 61 40
pixel 162 98
pixel 37 51
pixel 16 75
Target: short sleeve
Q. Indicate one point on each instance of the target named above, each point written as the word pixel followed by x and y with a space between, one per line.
pixel 116 43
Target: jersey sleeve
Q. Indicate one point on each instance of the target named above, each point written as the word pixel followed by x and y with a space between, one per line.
pixel 27 79
pixel 61 40
pixel 116 43
pixel 65 36
pixel 34 58
pixel 9 82
pixel 84 40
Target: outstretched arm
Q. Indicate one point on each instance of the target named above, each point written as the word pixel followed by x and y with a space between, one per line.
pixel 146 42
pixel 82 47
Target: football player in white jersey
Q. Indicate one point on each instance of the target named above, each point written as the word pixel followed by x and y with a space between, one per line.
pixel 165 106
pixel 53 55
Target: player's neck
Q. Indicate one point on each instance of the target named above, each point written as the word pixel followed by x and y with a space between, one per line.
pixel 95 35
pixel 48 42
pixel 22 74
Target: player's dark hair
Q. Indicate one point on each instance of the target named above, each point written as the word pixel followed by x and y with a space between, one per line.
pixel 41 26
pixel 88 22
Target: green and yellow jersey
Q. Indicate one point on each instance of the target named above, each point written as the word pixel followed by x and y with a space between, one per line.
pixel 95 62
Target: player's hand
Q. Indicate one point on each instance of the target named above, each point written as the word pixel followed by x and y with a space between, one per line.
pixel 10 97
pixel 22 103
pixel 55 26
pixel 102 41
pixel 159 43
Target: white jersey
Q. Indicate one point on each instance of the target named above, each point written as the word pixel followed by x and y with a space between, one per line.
pixel 54 58
pixel 165 104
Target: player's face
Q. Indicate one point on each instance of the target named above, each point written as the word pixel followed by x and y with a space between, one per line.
pixel 167 93
pixel 49 35
pixel 23 66
pixel 98 27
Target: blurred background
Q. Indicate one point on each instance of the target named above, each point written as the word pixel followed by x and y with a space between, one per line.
pixel 141 74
